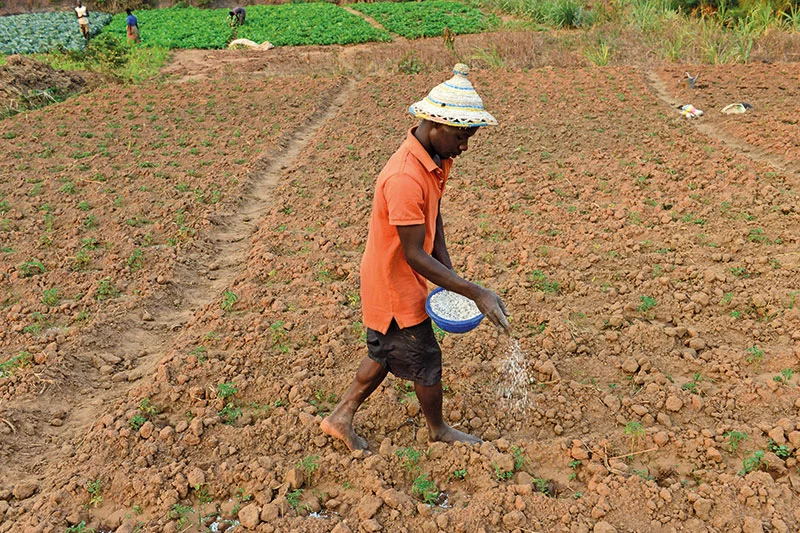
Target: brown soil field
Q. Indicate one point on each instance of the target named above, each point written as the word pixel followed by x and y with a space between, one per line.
pixel 180 309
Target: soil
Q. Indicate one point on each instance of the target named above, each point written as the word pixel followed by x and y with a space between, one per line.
pixel 26 83
pixel 203 233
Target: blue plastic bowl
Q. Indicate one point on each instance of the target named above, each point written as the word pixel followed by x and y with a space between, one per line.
pixel 451 326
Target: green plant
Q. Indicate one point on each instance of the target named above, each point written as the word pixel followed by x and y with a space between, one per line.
pixel 309 464
pixel 94 489
pixel 461 473
pixel 539 282
pixel 754 354
pixel 230 413
pixel 50 297
pixel 136 260
pixel 229 298
pixel 752 462
pixel 294 498
pixel 426 489
pixel 180 513
pixel 8 366
pixel 106 290
pixel 599 54
pixel 137 421
pixel 409 456
pixel 148 408
pixel 79 528
pixel 201 491
pixel 635 431
pixel 519 457
pixel 691 386
pixel 646 303
pixel 32 267
pixel 226 390
pixel 543 485
pixel 502 475
pixel 781 450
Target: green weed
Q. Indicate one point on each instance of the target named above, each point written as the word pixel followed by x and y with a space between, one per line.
pixel 426 489
pixel 229 298
pixel 10 365
pixel 752 462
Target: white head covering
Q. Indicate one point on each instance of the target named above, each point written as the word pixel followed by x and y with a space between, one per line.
pixel 454 103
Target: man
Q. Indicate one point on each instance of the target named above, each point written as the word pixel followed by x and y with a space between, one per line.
pixel 83 19
pixel 406 249
pixel 132 26
pixel 237 15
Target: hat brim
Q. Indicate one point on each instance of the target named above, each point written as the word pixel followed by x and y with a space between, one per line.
pixel 459 117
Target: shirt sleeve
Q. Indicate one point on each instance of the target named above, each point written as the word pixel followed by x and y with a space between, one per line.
pixel 404 200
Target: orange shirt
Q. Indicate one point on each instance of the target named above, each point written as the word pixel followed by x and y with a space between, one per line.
pixel 407 193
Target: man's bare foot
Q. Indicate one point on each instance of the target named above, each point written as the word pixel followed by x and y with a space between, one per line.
pixel 344 432
pixel 450 435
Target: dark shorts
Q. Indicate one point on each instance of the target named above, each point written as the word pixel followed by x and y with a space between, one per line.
pixel 411 353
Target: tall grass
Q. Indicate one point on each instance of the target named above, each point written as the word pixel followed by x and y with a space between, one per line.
pixel 711 31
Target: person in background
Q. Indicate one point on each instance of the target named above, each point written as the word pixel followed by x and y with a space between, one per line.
pixel 83 19
pixel 405 250
pixel 237 15
pixel 132 25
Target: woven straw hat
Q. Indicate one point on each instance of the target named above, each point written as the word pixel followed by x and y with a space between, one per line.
pixel 454 103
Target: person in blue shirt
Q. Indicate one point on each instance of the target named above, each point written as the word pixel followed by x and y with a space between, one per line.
pixel 132 26
pixel 237 15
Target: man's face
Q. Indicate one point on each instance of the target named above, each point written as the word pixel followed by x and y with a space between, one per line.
pixel 450 141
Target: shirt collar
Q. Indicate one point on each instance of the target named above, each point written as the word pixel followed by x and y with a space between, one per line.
pixel 418 151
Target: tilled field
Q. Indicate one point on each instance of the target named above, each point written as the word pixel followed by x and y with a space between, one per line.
pixel 650 264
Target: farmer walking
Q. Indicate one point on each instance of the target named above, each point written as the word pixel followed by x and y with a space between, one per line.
pixel 405 249
pixel 83 19
pixel 132 25
pixel 237 15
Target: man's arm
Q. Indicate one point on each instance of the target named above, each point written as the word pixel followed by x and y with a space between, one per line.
pixel 440 252
pixel 412 239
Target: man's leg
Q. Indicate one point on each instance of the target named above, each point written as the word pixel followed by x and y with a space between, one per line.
pixel 430 400
pixel 339 423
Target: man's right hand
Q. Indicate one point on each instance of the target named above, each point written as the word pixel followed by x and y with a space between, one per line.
pixel 493 308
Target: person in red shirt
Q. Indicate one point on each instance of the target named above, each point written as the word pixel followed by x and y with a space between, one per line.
pixel 405 249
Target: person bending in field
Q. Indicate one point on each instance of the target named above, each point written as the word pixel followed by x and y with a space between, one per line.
pixel 132 26
pixel 406 249
pixel 83 19
pixel 237 15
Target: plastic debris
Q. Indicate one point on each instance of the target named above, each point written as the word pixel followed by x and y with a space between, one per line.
pixel 690 111
pixel 736 109
pixel 691 80
pixel 247 43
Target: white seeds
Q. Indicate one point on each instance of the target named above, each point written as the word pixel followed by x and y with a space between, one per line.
pixel 453 306
pixel 515 380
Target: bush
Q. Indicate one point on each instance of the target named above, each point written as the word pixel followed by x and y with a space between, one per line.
pixel 108 50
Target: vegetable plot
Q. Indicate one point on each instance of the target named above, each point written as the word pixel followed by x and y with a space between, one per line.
pixel 302 24
pixel 427 19
pixel 42 32
pixel 179 27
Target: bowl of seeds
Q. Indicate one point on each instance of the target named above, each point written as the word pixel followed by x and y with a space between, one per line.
pixel 452 312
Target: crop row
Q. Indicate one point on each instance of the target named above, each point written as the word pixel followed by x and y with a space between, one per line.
pixel 298 24
pixel 413 20
pixel 41 32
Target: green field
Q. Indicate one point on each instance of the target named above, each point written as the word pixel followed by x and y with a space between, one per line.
pixel 413 20
pixel 303 24
pixel 179 27
pixel 42 32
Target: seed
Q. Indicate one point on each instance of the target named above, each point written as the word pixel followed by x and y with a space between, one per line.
pixel 453 306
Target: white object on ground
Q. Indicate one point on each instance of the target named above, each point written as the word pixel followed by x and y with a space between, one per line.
pixel 247 43
pixel 736 109
pixel 453 306
pixel 690 111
